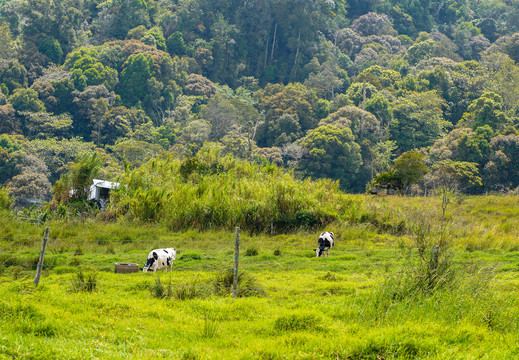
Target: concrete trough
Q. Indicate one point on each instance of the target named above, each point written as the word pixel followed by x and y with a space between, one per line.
pixel 126 268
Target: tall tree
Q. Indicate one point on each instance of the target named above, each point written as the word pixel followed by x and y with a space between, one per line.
pixel 417 120
pixel 332 153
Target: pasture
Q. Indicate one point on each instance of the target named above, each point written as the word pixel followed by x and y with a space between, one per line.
pixel 369 300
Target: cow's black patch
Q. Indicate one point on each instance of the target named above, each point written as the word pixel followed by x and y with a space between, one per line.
pixel 149 262
pixel 324 243
pixel 155 256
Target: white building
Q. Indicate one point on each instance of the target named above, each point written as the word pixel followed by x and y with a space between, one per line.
pixel 100 189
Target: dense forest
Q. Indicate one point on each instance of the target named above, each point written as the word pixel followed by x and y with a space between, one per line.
pixel 403 94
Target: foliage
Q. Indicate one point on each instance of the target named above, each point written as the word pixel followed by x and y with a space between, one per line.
pixel 5 200
pixel 454 175
pixel 26 100
pixel 75 184
pixel 332 152
pixel 410 168
pixel 204 192
pixel 258 79
pixel 386 180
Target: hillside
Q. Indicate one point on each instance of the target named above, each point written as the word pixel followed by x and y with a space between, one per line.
pixel 354 91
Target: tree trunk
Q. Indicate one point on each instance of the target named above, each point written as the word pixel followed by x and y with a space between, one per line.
pixel 294 71
pixel 273 42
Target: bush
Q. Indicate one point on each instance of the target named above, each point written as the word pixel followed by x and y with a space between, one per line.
pixel 203 192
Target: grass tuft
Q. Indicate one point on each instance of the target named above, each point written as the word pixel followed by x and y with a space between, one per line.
pixel 297 322
pixel 247 284
pixel 252 251
pixel 380 349
pixel 84 282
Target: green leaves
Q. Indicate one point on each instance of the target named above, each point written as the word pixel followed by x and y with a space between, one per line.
pixel 332 153
pixel 134 78
pixel 26 100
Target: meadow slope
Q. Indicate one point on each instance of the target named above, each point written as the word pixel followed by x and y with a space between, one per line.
pixel 368 300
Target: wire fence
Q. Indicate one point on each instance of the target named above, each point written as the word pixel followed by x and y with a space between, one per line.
pixel 344 262
pixel 210 254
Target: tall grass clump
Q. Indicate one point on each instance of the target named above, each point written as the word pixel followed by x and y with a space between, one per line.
pixel 391 349
pixel 84 282
pixel 161 291
pixel 185 291
pixel 431 275
pixel 247 284
pixel 210 191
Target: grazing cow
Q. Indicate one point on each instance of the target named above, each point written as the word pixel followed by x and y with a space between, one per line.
pixel 160 259
pixel 325 243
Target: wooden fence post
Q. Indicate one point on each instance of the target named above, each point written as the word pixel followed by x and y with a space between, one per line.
pixel 42 257
pixel 236 261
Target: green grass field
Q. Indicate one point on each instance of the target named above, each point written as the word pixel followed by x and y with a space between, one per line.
pixel 369 300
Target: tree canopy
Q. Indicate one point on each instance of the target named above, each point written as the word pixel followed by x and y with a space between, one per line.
pixel 340 89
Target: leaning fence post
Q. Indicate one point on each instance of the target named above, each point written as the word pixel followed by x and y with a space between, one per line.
pixel 236 260
pixel 42 256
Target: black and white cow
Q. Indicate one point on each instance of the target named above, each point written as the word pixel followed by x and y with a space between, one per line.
pixel 160 259
pixel 325 243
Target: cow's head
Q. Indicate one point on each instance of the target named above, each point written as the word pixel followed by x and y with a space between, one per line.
pixel 319 251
